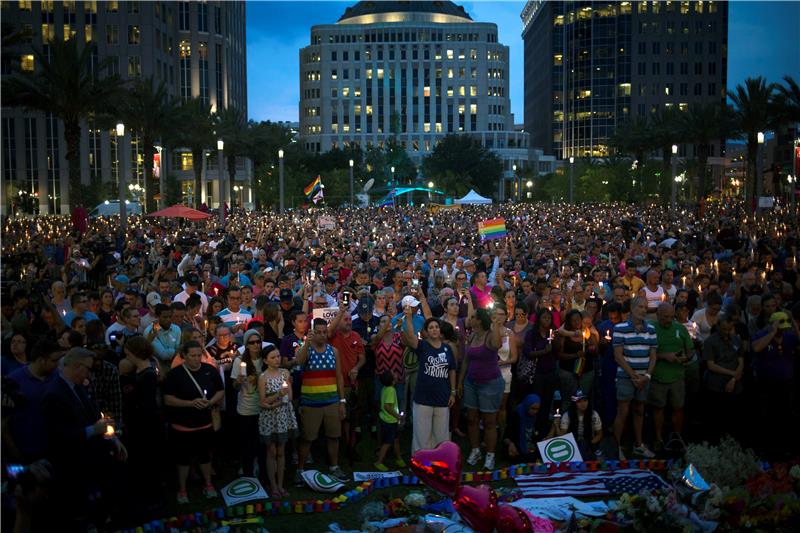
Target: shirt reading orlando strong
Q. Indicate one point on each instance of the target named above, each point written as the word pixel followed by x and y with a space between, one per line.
pixel 433 383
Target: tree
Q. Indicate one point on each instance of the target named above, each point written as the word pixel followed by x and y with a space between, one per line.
pixel 787 101
pixel 148 110
pixel 667 129
pixel 466 159
pixel 264 141
pixel 196 134
pixel 232 129
pixel 703 124
pixel 67 84
pixel 754 105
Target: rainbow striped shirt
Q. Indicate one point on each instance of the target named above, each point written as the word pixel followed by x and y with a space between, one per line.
pixel 319 379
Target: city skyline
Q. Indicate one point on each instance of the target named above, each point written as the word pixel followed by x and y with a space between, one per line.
pixel 760 53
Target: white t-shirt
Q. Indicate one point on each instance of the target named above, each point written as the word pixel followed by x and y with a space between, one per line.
pixel 597 425
pixel 247 405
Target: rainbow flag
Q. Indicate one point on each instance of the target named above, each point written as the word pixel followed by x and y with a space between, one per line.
pixel 492 229
pixel 312 187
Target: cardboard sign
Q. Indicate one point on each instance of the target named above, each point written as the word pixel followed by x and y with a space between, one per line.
pixel 328 313
pixel 326 222
pixel 560 449
pixel 242 490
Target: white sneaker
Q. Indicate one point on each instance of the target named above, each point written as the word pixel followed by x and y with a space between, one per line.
pixel 488 464
pixel 474 456
pixel 621 454
pixel 644 451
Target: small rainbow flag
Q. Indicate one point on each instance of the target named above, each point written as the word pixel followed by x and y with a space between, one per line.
pixel 492 229
pixel 313 186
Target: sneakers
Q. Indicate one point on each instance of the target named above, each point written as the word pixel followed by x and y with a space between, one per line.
pixel 474 456
pixel 209 492
pixel 298 478
pixel 644 451
pixel 488 464
pixel 337 472
pixel 399 463
pixel 381 467
pixel 183 498
pixel 621 454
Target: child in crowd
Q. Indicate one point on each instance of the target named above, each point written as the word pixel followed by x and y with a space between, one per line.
pixel 390 418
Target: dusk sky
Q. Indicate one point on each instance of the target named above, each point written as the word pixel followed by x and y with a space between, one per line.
pixel 763 40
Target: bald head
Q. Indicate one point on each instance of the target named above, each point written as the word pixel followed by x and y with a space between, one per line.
pixel 665 314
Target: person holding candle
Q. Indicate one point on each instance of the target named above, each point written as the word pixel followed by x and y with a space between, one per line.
pixel 244 375
pixel 576 364
pixel 191 391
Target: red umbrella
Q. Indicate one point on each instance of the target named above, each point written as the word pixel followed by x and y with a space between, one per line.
pixel 180 211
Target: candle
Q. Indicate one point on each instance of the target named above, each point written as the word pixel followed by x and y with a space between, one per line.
pixel 109 434
pixel 243 369
pixel 550 337
pixel 663 297
pixel 285 391
pixel 586 335
pixel 205 393
pixel 608 334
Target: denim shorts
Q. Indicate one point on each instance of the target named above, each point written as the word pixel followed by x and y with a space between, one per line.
pixel 485 397
pixel 627 391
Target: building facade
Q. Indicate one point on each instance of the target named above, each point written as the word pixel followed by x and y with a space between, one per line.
pixel 591 66
pixel 414 70
pixel 197 48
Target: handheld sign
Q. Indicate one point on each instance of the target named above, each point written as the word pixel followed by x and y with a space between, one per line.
pixel 560 449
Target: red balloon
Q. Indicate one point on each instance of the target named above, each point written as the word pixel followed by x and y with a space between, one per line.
pixel 439 468
pixel 513 520
pixel 478 507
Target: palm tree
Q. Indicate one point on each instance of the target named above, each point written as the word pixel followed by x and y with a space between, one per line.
pixel 754 106
pixel 788 101
pixel 194 131
pixel 148 111
pixel 232 129
pixel 66 84
pixel 704 124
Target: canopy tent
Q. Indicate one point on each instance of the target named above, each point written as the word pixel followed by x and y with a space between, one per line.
pixel 180 211
pixel 473 198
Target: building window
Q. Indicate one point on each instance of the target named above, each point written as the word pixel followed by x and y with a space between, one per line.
pixel 202 16
pixel 27 62
pixel 112 34
pixel 186 70
pixel 217 20
pixel 134 35
pixel 185 161
pixel 712 68
pixel 133 7
pixel 202 55
pixel 218 72
pixel 712 89
pixel 134 66
pixel 183 15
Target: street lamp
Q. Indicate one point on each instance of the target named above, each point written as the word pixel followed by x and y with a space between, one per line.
pixel 280 178
pixel 792 192
pixel 430 191
pixel 516 182
pixel 123 212
pixel 529 184
pixel 674 201
pixel 571 171
pixel 222 188
pixel 161 191
pixel 238 190
pixel 394 195
pixel 759 155
pixel 351 183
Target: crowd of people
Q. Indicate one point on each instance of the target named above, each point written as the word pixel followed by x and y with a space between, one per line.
pixel 282 344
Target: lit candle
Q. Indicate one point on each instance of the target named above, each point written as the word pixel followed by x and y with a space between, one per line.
pixel 243 369
pixel 109 434
pixel 586 335
pixel 550 337
pixel 608 334
pixel 285 391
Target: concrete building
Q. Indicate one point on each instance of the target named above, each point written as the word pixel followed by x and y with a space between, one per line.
pixel 591 66
pixel 197 48
pixel 418 70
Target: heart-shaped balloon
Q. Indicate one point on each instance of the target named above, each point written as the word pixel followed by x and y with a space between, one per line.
pixel 478 507
pixel 513 520
pixel 439 468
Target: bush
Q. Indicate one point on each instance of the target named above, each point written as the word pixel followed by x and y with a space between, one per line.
pixel 728 465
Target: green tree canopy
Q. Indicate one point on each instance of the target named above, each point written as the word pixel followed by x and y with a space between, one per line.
pixel 465 159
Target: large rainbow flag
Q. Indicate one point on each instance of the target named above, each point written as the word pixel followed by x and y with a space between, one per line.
pixel 492 229
pixel 313 187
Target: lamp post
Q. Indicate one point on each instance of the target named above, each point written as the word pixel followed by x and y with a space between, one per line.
pixel 394 195
pixel 280 178
pixel 123 212
pixel 759 184
pixel 674 200
pixel 351 183
pixel 516 182
pixel 571 171
pixel 238 190
pixel 529 184
pixel 222 187
pixel 792 180
pixel 430 191
pixel 161 192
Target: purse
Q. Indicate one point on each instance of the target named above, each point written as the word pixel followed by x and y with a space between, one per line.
pixel 216 417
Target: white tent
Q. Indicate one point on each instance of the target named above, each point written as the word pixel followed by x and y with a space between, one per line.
pixel 473 198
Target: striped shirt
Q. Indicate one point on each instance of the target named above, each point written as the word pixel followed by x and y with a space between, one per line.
pixel 319 379
pixel 636 345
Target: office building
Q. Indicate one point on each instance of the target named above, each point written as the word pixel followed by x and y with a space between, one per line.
pixel 197 48
pixel 417 70
pixel 591 66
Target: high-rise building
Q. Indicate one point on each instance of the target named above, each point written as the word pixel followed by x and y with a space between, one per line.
pixel 591 66
pixel 417 70
pixel 197 48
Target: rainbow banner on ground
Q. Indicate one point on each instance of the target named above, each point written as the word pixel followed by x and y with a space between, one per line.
pixel 313 187
pixel 492 229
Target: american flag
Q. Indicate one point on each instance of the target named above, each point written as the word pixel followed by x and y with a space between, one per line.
pixel 601 483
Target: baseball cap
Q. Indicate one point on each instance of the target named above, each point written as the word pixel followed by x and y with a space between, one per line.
pixel 782 318
pixel 286 295
pixel 122 278
pixel 409 301
pixel 192 279
pixel 579 395
pixel 390 245
pixel 365 305
pixel 131 290
pixel 153 299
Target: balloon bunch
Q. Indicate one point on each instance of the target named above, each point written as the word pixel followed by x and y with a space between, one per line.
pixel 440 469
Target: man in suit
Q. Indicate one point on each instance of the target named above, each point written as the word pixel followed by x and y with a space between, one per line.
pixel 79 447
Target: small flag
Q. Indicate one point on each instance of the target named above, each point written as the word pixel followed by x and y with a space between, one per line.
pixel 600 483
pixel 492 229
pixel 318 197
pixel 313 186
